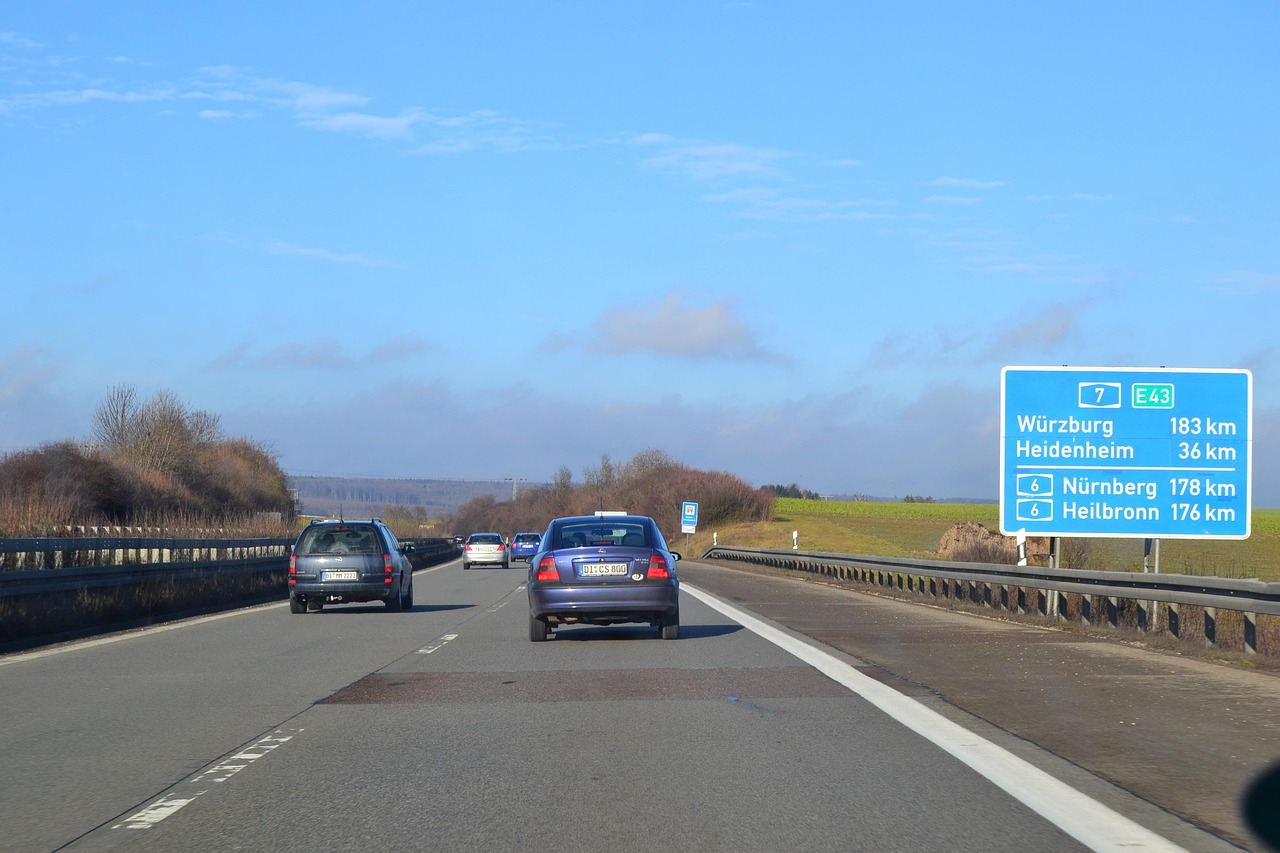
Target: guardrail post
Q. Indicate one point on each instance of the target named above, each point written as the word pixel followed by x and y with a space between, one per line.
pixel 1250 633
pixel 1086 609
pixel 1175 620
pixel 1113 611
pixel 1210 626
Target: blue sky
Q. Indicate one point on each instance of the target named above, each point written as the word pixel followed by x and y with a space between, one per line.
pixel 794 241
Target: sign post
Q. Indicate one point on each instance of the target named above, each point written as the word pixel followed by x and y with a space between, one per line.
pixel 1142 453
pixel 688 520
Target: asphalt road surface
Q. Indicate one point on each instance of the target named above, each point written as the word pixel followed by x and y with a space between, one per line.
pixel 444 728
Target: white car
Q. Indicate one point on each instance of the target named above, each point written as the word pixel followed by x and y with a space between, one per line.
pixel 485 549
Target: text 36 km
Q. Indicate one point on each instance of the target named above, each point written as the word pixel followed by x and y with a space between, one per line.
pixel 1192 450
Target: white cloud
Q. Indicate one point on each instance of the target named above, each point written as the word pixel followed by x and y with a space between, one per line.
pixel 672 326
pixel 959 201
pixel 286 249
pixel 19 41
pixel 969 183
pixel 309 355
pixel 710 161
pixel 360 124
pixel 766 203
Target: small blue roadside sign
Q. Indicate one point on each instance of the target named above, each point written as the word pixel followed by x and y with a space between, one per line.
pixel 1126 452
pixel 689 517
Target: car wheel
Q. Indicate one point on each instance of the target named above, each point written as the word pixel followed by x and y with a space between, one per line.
pixel 539 630
pixel 395 603
pixel 296 605
pixel 408 596
pixel 671 628
pixel 314 605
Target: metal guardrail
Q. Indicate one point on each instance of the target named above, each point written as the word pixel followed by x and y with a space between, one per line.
pixel 78 586
pixel 96 562
pixel 39 581
pixel 1005 587
pixel 78 551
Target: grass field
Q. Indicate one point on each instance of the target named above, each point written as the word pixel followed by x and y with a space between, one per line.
pixel 915 529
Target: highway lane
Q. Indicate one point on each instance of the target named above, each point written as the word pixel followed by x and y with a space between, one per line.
pixel 445 728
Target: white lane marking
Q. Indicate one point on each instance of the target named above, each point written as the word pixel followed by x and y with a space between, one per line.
pixel 220 772
pixel 1091 823
pixel 20 657
pixel 437 645
pixel 116 638
pixel 154 813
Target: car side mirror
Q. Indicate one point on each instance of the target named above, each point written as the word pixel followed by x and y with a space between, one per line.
pixel 407 549
pixel 675 555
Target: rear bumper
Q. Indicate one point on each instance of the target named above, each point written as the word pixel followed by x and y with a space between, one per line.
pixel 485 560
pixel 348 590
pixel 614 603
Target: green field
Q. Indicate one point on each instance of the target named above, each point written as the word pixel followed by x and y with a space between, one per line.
pixel 915 529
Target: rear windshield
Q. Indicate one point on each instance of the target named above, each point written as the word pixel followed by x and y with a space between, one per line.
pixel 339 539
pixel 587 533
pixel 486 539
pixel 528 537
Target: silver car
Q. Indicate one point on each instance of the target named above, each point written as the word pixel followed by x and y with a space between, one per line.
pixel 485 549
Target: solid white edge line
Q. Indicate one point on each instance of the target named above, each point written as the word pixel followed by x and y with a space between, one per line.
pixel 1083 818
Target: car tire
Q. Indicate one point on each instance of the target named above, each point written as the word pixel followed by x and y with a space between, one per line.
pixel 539 630
pixel 408 596
pixel 395 603
pixel 314 606
pixel 671 628
pixel 296 605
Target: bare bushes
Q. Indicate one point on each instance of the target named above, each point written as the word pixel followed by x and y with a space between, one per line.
pixel 650 484
pixel 153 461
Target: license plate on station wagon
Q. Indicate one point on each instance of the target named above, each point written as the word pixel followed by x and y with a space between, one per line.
pixel 601 570
pixel 340 576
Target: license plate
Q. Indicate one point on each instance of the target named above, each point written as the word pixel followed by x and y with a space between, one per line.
pixel 600 570
pixel 340 576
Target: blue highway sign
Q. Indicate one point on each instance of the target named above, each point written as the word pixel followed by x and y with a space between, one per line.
pixel 689 517
pixel 1126 452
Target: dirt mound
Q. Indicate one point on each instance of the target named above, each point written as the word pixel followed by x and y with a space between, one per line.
pixel 970 541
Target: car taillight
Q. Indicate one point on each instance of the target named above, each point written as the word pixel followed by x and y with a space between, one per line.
pixel 293 568
pixel 547 570
pixel 386 567
pixel 658 566
pixel 501 546
pixel 468 546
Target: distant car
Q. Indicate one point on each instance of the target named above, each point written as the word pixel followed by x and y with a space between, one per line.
pixel 603 569
pixel 485 549
pixel 525 545
pixel 334 562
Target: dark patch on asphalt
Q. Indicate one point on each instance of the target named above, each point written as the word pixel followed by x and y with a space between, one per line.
pixel 590 686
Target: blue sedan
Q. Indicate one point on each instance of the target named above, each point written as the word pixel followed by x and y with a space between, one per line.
pixel 603 569
pixel 525 545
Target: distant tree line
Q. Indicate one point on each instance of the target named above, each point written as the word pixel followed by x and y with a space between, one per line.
pixel 791 491
pixel 917 499
pixel 150 462
pixel 651 484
